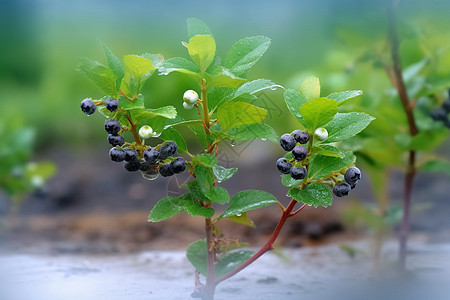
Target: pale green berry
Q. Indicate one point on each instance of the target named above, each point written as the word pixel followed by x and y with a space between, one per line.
pixel 145 132
pixel 190 97
pixel 321 134
pixel 188 105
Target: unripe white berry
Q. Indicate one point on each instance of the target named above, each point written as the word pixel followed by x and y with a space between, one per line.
pixel 145 132
pixel 37 181
pixel 190 96
pixel 321 133
pixel 188 105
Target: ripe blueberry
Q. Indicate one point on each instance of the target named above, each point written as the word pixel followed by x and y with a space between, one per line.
pixel 352 175
pixel 132 166
pixel 88 106
pixel 299 153
pixel 283 165
pixel 446 105
pixel 112 126
pixel 178 165
pixel 131 155
pixel 151 154
pixel 146 166
pixel 116 155
pixel 353 185
pixel 438 114
pixel 167 149
pixel 298 173
pixel 342 189
pixel 112 104
pixel 300 136
pixel 287 142
pixel 166 170
pixel 116 139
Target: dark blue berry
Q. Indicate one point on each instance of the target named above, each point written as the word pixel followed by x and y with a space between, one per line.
pixel 117 155
pixel 300 136
pixel 132 166
pixel 146 166
pixel 299 153
pixel 298 173
pixel 353 185
pixel 446 105
pixel 167 149
pixel 151 154
pixel 131 155
pixel 112 104
pixel 283 165
pixel 342 189
pixel 112 126
pixel 116 139
pixel 287 142
pixel 178 165
pixel 88 106
pixel 352 175
pixel 166 170
pixel 438 114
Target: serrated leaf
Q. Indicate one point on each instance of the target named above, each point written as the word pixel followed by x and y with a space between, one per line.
pixel 166 208
pixel 142 115
pixel 288 181
pixel 242 219
pixel 222 173
pixel 196 253
pixel 114 64
pixel 101 75
pixel 310 88
pixel 237 113
pixel 253 131
pixel 202 49
pixel 219 195
pixel 314 194
pixel 171 134
pixel 197 27
pixel 346 125
pixel 204 178
pixel 441 166
pixel 231 261
pixel 195 209
pixel 156 59
pixel 181 65
pixel 137 66
pixel 245 53
pixel 137 104
pixel 327 150
pixel 318 112
pixel 248 200
pixel 321 166
pixel 342 97
pixel 224 79
pixel 255 86
pixel 205 159
pixel 294 100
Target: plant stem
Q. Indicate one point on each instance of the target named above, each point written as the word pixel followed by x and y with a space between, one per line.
pixel 399 84
pixel 133 129
pixel 210 286
pixel 204 89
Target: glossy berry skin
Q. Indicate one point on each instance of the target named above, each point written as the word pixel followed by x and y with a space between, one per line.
pixel 342 189
pixel 438 114
pixel 112 126
pixel 287 142
pixel 166 170
pixel 88 106
pixel 117 155
pixel 353 185
pixel 352 175
pixel 132 166
pixel 131 155
pixel 298 173
pixel 167 149
pixel 299 153
pixel 116 139
pixel 188 106
pixel 112 104
pixel 151 154
pixel 283 165
pixel 145 132
pixel 178 165
pixel 446 106
pixel 300 136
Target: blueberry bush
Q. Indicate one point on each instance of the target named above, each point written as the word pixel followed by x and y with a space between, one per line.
pixel 313 167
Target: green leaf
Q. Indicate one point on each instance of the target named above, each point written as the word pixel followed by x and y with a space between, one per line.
pixel 202 49
pixel 242 219
pixel 294 100
pixel 205 159
pixel 196 26
pixel 166 208
pixel 101 75
pixel 171 134
pixel 196 253
pixel 195 209
pixel 245 53
pixel 137 66
pixel 200 133
pixel 134 106
pixel 327 150
pixel 248 200
pixel 239 113
pixel 310 88
pixel 115 65
pixel 342 97
pixel 204 178
pixel 181 65
pixel 314 194
pixel 45 169
pixel 346 125
pixel 253 131
pixel 321 166
pixel 222 173
pixel 255 86
pixel 426 140
pixel 156 59
pixel 224 79
pixel 231 261
pixel 442 166
pixel 288 181
pixel 318 112
pixel 141 115
pixel 219 195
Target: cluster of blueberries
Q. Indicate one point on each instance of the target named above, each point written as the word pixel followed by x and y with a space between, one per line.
pixel 440 114
pixel 289 143
pixel 351 178
pixel 152 159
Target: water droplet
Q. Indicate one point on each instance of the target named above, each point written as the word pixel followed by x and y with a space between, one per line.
pixel 233 143
pixel 273 88
pixel 263 139
pixel 238 215
pixel 149 176
pixel 219 181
